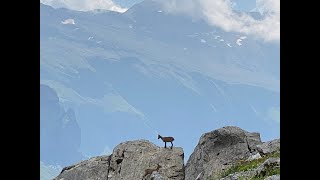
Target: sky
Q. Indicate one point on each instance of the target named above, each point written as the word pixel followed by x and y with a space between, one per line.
pixel 216 13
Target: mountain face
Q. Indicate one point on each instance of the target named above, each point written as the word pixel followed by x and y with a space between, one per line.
pixel 60 134
pixel 132 75
pixel 228 153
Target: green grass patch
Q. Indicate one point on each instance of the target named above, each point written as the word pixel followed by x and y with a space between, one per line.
pixel 269 172
pixel 243 165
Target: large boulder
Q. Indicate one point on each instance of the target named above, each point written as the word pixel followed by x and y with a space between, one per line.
pixel 129 160
pixel 270 163
pixel 91 169
pixel 273 177
pixel 220 149
pixel 259 172
pixel 269 146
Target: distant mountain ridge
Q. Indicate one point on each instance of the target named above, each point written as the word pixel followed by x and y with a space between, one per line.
pixel 60 134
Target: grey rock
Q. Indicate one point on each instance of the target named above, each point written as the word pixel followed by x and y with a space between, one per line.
pixel 244 175
pixel 219 149
pixel 91 169
pixel 273 177
pixel 269 163
pixel 129 160
pixel 199 176
pixel 253 157
pixel 269 147
pixel 156 176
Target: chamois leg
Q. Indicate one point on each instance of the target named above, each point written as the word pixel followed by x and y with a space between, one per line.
pixel 171 145
pixel 165 144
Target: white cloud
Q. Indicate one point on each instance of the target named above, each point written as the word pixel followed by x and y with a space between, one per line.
pixel 80 55
pixel 203 41
pixel 84 5
pixel 239 42
pixel 268 6
pixel 220 13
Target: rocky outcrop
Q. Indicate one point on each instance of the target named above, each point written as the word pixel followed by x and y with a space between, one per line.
pixel 219 150
pixel 270 163
pixel 273 177
pixel 129 160
pixel 243 175
pixel 254 156
pixel 269 146
pixel 261 171
pixel 91 169
pixel 224 149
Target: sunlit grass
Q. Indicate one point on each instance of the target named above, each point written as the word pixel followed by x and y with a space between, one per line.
pixel 242 166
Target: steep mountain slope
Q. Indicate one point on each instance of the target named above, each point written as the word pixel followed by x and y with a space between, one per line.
pixel 60 134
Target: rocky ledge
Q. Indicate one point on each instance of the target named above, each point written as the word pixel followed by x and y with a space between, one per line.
pixel 130 160
pixel 228 153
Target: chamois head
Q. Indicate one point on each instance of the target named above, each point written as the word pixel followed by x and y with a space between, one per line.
pixel 159 136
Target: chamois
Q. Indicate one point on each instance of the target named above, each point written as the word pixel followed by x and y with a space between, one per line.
pixel 150 171
pixel 166 139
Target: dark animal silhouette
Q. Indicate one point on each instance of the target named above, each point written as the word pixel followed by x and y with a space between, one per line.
pixel 150 171
pixel 166 139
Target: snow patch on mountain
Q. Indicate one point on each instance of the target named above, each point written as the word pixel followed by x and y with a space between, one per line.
pixel 68 21
pixel 240 39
